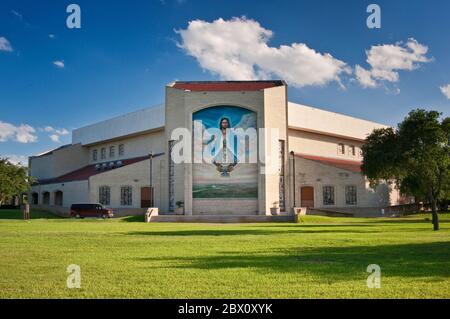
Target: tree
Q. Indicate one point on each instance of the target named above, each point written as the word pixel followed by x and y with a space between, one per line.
pixel 416 156
pixel 14 180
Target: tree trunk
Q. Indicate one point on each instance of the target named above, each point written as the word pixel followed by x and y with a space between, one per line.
pixel 434 214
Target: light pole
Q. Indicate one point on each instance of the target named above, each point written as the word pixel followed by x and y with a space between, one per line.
pixel 293 173
pixel 151 178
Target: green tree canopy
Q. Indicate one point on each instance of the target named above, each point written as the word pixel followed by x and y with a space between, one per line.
pixel 416 156
pixel 14 180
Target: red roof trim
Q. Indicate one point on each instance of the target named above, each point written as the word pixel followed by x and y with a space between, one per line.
pixel 88 171
pixel 353 166
pixel 227 85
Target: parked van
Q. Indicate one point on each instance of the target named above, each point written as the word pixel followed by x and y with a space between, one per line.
pixel 90 210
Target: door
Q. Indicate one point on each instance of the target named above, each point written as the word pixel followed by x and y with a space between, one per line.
pixel 146 197
pixel 307 196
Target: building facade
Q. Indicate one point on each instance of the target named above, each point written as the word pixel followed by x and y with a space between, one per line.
pixel 136 161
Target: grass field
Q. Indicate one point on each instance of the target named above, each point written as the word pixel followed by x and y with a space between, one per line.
pixel 319 258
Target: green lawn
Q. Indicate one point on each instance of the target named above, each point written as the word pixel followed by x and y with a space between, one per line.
pixel 319 258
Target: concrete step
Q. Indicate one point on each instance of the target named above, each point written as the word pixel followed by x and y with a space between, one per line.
pixel 222 219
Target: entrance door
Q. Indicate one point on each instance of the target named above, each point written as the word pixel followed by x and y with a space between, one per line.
pixel 307 196
pixel 146 197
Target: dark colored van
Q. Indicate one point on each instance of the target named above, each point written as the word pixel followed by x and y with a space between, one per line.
pixel 90 210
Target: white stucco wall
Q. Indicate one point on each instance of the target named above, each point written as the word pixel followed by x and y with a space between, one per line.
pixel 59 162
pixel 73 193
pixel 314 119
pixel 311 131
pixel 322 145
pixel 124 125
pixel 134 146
pixel 317 175
pixel 135 175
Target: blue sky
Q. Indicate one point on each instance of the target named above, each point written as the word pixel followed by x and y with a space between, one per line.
pixel 54 79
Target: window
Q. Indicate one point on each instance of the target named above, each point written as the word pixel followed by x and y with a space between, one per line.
pixel 94 155
pixel 46 198
pixel 103 153
pixel 35 198
pixel 350 195
pixel 328 195
pixel 121 150
pixel 126 196
pixel 341 148
pixel 104 195
pixel 352 150
pixel 58 198
pixel 112 151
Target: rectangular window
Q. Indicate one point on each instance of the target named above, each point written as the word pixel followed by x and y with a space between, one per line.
pixel 121 150
pixel 352 150
pixel 126 196
pixel 350 195
pixel 328 195
pixel 341 148
pixel 103 153
pixel 112 151
pixel 104 195
pixel 94 155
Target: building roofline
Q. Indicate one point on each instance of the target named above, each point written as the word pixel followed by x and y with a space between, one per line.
pixel 348 165
pixel 338 113
pixel 87 171
pixel 50 151
pixel 118 138
pixel 226 86
pixel 119 116
pixel 302 129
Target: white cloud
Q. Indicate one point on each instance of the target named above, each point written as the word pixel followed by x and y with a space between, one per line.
pixel 55 138
pixel 5 45
pixel 16 159
pixel 51 36
pixel 56 133
pixel 59 63
pixel 445 89
pixel 23 133
pixel 387 59
pixel 17 14
pixel 62 132
pixel 364 77
pixel 238 49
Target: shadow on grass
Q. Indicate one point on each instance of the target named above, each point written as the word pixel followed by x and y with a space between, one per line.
pixel 430 260
pixel 247 231
pixel 17 214
pixel 364 223
pixel 317 225
pixel 134 219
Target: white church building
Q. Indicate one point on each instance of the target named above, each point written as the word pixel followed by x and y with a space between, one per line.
pixel 127 163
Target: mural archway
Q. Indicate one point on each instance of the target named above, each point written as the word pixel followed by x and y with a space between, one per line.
pixel 225 180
